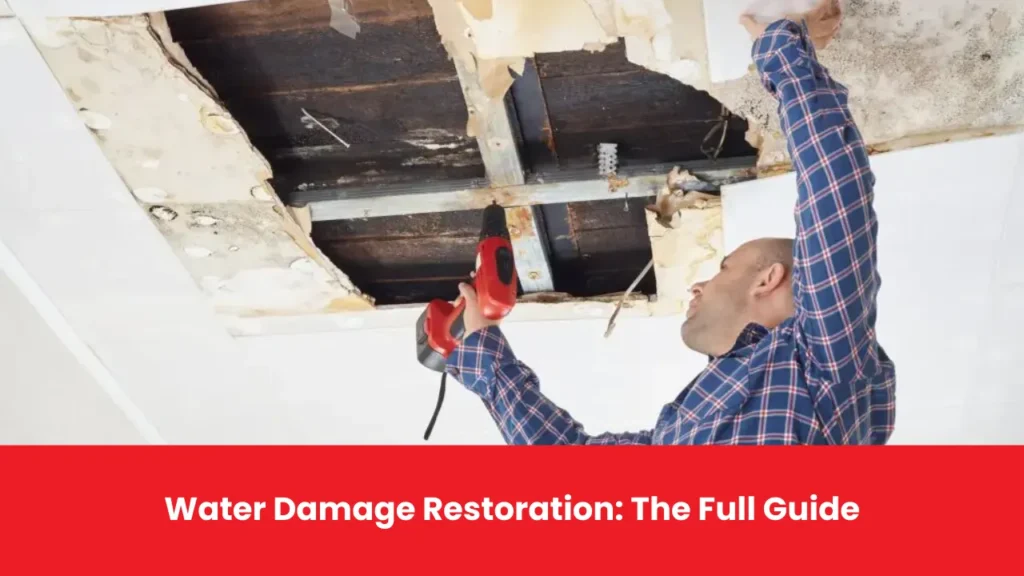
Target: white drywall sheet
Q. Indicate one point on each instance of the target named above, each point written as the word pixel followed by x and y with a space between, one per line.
pixel 951 301
pixel 4 9
pixel 68 219
pixel 47 396
pixel 99 8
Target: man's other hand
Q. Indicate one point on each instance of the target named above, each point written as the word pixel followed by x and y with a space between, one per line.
pixel 472 319
pixel 822 23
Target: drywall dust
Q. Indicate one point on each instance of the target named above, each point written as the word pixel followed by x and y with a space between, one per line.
pixel 912 67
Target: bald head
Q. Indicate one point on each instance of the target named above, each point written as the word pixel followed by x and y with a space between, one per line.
pixel 773 251
pixel 753 285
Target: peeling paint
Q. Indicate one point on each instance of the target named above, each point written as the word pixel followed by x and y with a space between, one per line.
pixel 685 253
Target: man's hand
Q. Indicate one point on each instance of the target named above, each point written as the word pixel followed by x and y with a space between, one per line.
pixel 822 23
pixel 472 319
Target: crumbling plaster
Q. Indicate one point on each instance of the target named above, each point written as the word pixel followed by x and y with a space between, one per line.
pixel 191 167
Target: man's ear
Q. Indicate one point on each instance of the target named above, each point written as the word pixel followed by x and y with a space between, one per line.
pixel 769 279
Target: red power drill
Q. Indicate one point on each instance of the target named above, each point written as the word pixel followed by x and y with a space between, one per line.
pixel 440 327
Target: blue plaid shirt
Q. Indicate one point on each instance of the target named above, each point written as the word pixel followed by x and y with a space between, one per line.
pixel 818 378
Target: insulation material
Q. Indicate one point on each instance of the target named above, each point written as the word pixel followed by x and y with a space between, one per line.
pixel 918 73
pixel 192 168
pixel 671 39
pixel 665 36
pixel 525 27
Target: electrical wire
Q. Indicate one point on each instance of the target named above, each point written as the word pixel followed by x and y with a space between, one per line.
pixel 437 409
pixel 611 321
pixel 723 126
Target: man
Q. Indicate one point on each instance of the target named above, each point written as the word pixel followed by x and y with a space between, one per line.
pixel 788 325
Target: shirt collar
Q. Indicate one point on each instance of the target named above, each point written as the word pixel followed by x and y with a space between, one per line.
pixel 749 336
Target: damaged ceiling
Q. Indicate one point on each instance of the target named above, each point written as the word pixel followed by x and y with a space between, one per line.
pixel 311 156
pixel 386 112
pixel 918 71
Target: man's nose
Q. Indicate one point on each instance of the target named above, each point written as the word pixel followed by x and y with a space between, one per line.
pixel 698 288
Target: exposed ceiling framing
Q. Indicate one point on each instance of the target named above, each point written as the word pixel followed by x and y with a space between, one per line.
pixel 414 133
pixel 298 170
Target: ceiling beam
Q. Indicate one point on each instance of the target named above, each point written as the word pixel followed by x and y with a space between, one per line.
pixel 531 254
pixel 569 186
pixel 493 129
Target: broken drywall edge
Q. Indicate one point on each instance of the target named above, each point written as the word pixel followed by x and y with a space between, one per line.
pixel 405 316
pixel 159 26
pixel 686 252
pixel 944 137
pixel 768 170
pixel 102 8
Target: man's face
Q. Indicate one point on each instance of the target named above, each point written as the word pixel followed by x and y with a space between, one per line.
pixel 715 314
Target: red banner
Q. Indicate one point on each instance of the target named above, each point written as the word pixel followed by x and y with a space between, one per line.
pixel 483 510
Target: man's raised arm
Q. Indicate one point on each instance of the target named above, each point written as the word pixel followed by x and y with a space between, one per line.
pixel 485 364
pixel 835 281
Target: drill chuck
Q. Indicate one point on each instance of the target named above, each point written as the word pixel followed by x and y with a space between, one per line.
pixel 495 224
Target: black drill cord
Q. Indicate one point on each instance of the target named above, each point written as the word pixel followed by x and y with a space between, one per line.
pixel 437 409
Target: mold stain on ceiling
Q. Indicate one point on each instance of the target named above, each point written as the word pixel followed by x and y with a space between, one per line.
pixel 918 71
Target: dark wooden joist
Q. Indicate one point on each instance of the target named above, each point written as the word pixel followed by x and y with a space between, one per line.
pixel 532 120
pixel 294 60
pixel 404 259
pixel 370 116
pixel 594 97
pixel 260 17
pixel 595 248
pixel 392 92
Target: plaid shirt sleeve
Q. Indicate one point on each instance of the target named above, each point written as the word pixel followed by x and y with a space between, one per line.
pixel 835 281
pixel 485 364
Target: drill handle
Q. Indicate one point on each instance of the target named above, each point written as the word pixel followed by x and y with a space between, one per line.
pixel 458 325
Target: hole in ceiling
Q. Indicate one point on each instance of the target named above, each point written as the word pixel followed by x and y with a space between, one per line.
pixel 393 96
